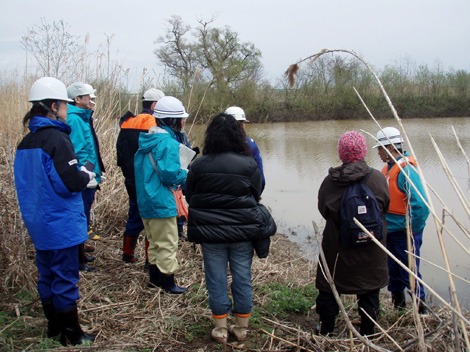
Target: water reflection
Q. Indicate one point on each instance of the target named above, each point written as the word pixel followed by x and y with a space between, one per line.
pixel 297 156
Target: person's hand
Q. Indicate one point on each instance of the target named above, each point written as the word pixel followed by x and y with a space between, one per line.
pixel 92 184
pixel 91 174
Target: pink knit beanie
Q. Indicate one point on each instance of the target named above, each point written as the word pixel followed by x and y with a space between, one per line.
pixel 352 147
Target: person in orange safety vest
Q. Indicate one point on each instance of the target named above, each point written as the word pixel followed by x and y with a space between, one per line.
pixel 404 199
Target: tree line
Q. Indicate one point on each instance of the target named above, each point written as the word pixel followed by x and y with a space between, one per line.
pixel 210 68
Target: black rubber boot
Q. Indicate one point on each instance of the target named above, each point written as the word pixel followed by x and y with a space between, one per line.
pixel 181 234
pixel 86 268
pixel 89 258
pixel 72 333
pixel 155 277
pixel 53 326
pixel 422 308
pixel 83 259
pixel 170 286
pixel 399 300
pixel 128 249
pixel 147 263
pixel 327 325
pixel 367 326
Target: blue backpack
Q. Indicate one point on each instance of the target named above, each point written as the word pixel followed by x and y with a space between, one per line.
pixel 359 202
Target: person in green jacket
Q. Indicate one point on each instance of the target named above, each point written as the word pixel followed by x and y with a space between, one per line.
pixel 85 143
pixel 157 169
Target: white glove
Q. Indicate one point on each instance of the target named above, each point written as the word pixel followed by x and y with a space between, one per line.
pixel 92 183
pixel 91 174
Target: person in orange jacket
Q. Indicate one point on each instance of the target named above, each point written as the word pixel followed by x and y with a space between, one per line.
pixel 126 147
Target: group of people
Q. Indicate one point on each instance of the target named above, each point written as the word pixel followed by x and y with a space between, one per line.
pixel 364 269
pixel 58 168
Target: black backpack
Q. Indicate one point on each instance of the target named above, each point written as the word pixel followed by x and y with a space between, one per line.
pixel 359 202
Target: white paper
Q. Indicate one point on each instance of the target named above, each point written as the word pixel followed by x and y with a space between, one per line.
pixel 186 155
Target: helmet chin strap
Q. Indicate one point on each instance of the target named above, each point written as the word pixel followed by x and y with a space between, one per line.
pixel 50 110
pixel 173 123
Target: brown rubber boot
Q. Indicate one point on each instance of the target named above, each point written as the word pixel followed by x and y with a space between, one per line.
pixel 219 333
pixel 239 330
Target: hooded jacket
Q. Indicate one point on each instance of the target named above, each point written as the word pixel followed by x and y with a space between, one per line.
pixel 84 138
pixel 154 197
pixel 48 184
pixel 223 192
pixel 356 270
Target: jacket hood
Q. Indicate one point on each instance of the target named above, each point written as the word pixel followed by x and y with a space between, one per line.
pixel 38 122
pixel 348 173
pixel 148 141
pixel 85 114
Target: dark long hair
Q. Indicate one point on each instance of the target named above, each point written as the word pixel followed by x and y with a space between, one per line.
pixel 224 134
pixel 172 122
pixel 38 110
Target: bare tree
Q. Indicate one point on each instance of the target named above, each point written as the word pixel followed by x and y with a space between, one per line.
pixel 221 59
pixel 57 52
pixel 229 61
pixel 177 54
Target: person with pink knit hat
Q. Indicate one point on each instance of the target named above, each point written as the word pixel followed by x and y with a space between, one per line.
pixel 360 270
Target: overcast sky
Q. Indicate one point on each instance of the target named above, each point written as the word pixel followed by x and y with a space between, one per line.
pixel 382 31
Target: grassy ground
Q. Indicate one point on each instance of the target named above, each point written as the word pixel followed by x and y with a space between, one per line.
pixel 116 304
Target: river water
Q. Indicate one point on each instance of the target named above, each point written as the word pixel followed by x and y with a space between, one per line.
pixel 297 156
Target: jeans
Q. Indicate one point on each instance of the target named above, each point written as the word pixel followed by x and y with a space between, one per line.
pixel 240 257
pixel 58 277
pixel 399 277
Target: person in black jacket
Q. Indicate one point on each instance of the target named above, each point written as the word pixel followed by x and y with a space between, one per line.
pixel 223 188
pixel 126 147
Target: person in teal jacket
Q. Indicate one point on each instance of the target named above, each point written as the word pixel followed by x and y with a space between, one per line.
pixel 86 146
pixel 405 202
pixel 157 168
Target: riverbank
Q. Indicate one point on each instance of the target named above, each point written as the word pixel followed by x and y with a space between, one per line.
pixel 116 304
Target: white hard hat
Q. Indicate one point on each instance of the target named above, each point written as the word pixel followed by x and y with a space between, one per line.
pixel 89 86
pixel 236 112
pixel 78 89
pixel 169 107
pixel 153 94
pixel 389 135
pixel 48 88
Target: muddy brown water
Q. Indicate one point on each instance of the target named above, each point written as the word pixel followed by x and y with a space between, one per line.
pixel 296 158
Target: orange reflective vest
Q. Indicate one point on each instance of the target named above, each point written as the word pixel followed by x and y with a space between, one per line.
pixel 140 122
pixel 398 199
